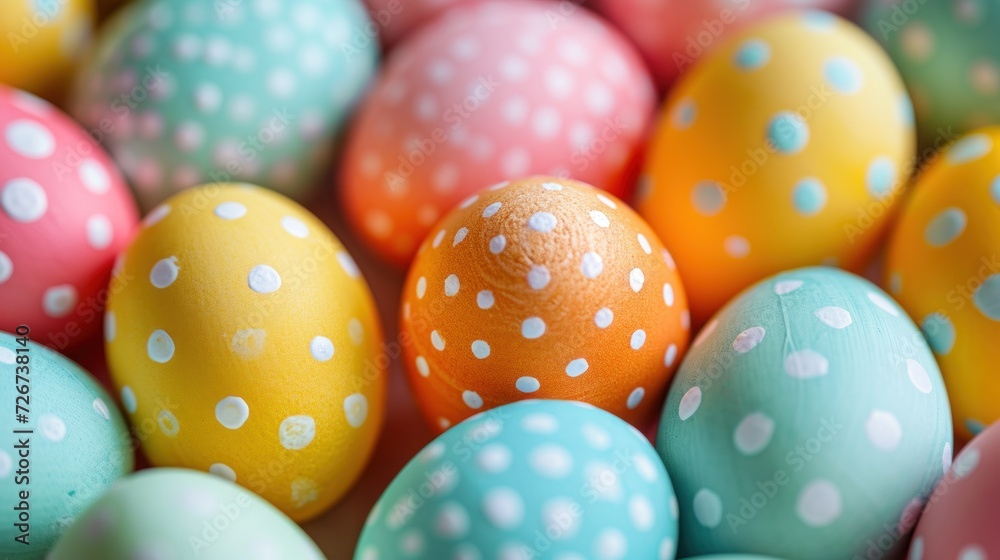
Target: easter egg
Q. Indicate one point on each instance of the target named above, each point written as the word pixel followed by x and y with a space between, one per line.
pixel 528 480
pixel 485 93
pixel 42 40
pixel 943 268
pixel 673 35
pixel 542 288
pixel 65 213
pixel 248 342
pixel 180 513
pixel 949 57
pixel 396 19
pixel 960 518
pixel 808 420
pixel 67 449
pixel 818 147
pixel 183 92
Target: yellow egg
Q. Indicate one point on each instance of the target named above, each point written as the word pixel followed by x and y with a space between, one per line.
pixel 943 266
pixel 246 343
pixel 787 146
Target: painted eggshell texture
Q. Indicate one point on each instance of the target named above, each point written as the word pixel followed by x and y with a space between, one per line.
pixel 819 146
pixel 179 513
pixel 943 268
pixel 960 519
pixel 183 92
pixel 486 93
pixel 246 296
pixel 397 19
pixel 542 288
pixel 808 420
pixel 65 213
pixel 528 480
pixel 79 446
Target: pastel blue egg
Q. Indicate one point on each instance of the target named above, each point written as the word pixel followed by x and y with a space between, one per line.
pixel 807 420
pixel 532 479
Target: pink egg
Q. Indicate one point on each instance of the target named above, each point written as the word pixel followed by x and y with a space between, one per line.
pixel 493 91
pixel 672 34
pixel 65 213
pixel 397 18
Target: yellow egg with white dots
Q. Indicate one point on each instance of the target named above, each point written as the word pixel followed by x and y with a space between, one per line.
pixel 245 342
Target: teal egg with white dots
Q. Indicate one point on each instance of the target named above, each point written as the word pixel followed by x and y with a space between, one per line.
pixel 70 448
pixel 532 479
pixel 807 421
pixel 186 92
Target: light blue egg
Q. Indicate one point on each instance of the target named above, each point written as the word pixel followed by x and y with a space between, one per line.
pixel 532 479
pixel 807 416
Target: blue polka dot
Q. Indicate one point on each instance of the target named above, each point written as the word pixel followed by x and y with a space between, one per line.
pixel 788 133
pixel 753 54
pixel 708 198
pixel 945 227
pixel 969 148
pixel 809 196
pixel 819 20
pixel 905 107
pixel 843 75
pixel 987 297
pixel 974 426
pixel 939 332
pixel 995 189
pixel 684 114
pixel 881 176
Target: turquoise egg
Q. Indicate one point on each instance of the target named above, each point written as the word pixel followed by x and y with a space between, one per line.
pixel 808 420
pixel 178 513
pixel 186 92
pixel 532 479
pixel 78 446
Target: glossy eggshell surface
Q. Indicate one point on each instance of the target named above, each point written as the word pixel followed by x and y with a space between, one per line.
pixel 527 480
pixel 818 147
pixel 79 445
pixel 808 420
pixel 246 343
pixel 943 268
pixel 542 288
pixel 178 513
pixel 65 213
pixel 487 93
pixel 183 92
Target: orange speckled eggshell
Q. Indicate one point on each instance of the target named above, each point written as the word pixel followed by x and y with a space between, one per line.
pixel 542 288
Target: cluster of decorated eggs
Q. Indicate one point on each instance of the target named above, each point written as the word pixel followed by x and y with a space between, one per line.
pixel 620 218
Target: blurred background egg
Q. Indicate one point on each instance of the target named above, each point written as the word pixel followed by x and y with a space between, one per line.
pixel 65 213
pixel 486 93
pixel 249 341
pixel 960 519
pixel 808 420
pixel 949 57
pixel 543 288
pixel 184 92
pixel 528 480
pixel 672 35
pixel 179 513
pixel 397 19
pixel 818 145
pixel 943 266
pixel 79 445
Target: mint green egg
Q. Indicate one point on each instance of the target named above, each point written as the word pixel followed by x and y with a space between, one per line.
pixel 186 92
pixel 179 513
pixel 808 420
pixel 78 446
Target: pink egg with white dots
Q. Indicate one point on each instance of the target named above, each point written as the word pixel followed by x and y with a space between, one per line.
pixel 396 19
pixel 488 92
pixel 65 213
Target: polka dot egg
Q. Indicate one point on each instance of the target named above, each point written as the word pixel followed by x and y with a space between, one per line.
pixel 75 445
pixel 543 288
pixel 65 213
pixel 486 93
pixel 818 150
pixel 183 92
pixel 808 420
pixel 178 513
pixel 248 341
pixel 528 480
pixel 942 266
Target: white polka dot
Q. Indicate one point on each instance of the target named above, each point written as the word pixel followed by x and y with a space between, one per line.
pixel 972 552
pixel 58 301
pixel 527 384
pixel 94 176
pixel 686 319
pixel 836 317
pixel 451 285
pixel 736 246
pixel 638 339
pixel 689 403
pixel 503 508
pixel 263 279
pixel 542 222
pixel 707 508
pixel 551 461
pixel 459 236
pixel 670 355
pixel 550 186
pixel 603 318
pixel 29 139
pixel 230 210
pixel 636 279
pixel 748 339
pixel 596 437
pixel 422 366
pixel 804 364
pixel 787 286
pixel 160 347
pixel 23 200
pixel 52 427
pixel 591 265
pixel 946 458
pixel 437 239
pixel 819 503
pixel 918 376
pixel 884 304
pixel 753 433
pixel 540 423
pixel 164 272
pixel 966 462
pixel 99 232
pixel 452 521
pixel 5 464
pixel 356 332
pixel 538 277
pixel 348 264
pixel 481 349
pixel 532 327
pixel 497 244
pixel 437 341
pixel 641 511
pixel 494 458
pixel 295 227
pixel 356 409
pixel 421 287
pixel 296 432
pixel 472 399
pixel 635 398
pixel 101 408
pixel 232 412
pixel 321 348
pixel 577 367
pixel 600 218
pixel 6 267
pixel 156 215
pixel 128 399
pixel 883 430
pixel 484 299
pixel 224 471
pixel 610 545
pixel 667 549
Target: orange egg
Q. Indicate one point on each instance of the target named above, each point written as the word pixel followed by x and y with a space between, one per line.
pixel 542 288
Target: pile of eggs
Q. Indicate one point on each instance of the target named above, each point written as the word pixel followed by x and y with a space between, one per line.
pixel 712 281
